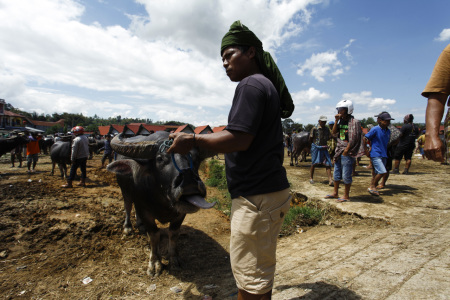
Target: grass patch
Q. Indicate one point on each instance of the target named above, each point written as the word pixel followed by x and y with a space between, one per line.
pixel 309 214
pixel 306 214
pixel 217 177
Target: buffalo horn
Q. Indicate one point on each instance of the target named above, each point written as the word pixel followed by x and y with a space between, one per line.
pixel 134 149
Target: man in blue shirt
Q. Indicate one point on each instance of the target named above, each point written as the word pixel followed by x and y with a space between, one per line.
pixel 379 139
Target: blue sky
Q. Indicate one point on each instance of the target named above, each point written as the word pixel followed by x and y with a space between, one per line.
pixel 160 59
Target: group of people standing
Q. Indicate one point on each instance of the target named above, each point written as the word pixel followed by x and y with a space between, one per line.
pixel 31 151
pixel 79 154
pixel 384 144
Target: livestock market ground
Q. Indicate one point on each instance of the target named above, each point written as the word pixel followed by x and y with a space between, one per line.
pixel 395 246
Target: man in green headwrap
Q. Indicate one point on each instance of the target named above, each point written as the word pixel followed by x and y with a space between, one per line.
pixel 254 152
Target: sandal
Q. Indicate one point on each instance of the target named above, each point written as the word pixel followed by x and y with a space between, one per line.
pixel 331 197
pixel 342 200
pixel 373 192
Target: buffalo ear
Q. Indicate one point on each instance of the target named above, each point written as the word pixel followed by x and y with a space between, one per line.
pixel 123 167
pixel 128 167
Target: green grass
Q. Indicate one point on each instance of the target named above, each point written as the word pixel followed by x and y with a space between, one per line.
pixel 217 177
pixel 301 216
pixel 308 214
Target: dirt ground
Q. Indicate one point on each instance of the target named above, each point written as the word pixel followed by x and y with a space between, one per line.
pixel 53 239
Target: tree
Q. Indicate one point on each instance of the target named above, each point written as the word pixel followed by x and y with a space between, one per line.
pixel 287 125
pixel 309 127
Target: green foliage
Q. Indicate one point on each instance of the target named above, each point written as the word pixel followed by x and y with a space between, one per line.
pixel 217 177
pixel 307 215
pixel 309 127
pixel 223 204
pixel 289 126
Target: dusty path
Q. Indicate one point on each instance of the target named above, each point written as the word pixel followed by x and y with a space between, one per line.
pixel 409 258
pixel 394 247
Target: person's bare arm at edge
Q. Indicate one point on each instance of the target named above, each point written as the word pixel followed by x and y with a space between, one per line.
pixel 221 142
pixel 434 113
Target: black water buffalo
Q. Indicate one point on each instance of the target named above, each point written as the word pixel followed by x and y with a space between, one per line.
pixel 162 187
pixel 46 143
pixel 301 146
pixel 60 153
pixel 8 144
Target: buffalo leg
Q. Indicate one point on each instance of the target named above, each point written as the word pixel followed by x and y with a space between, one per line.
pixel 154 264
pixel 128 204
pixel 174 233
pixel 61 170
pixel 53 168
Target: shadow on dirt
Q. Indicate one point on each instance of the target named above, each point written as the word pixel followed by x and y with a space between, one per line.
pixel 321 290
pixel 205 264
pixel 394 189
pixel 367 199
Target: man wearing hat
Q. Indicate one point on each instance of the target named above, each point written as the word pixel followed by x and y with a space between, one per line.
pixel 254 153
pixel 319 136
pixel 379 139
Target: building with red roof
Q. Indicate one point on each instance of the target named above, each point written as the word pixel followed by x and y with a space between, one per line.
pixel 218 129
pixel 185 128
pixel 203 129
pixel 146 129
pixel 130 130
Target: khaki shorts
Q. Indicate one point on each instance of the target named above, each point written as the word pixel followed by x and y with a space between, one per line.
pixel 255 224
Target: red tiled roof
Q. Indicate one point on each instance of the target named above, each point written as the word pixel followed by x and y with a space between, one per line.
pixel 11 114
pixel 199 129
pixel 119 128
pixel 180 129
pixel 154 128
pixel 103 130
pixel 133 128
pixel 219 128
pixel 59 123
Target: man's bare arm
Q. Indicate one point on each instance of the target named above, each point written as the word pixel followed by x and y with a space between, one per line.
pixel 434 113
pixel 225 141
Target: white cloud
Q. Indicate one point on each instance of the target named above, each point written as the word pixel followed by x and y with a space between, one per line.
pixel 52 62
pixel 310 95
pixel 365 98
pixel 320 65
pixel 326 64
pixel 444 35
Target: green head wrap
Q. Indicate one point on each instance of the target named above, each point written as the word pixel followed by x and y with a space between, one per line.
pixel 240 35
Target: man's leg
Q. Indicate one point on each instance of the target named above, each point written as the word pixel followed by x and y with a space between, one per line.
pixel 311 174
pixel 407 165
pixel 83 162
pixel 255 224
pixel 347 191
pixel 29 161
pixel 330 179
pixel 73 172
pixel 396 166
pixel 347 170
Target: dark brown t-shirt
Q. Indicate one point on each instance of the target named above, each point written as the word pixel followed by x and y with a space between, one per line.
pixel 256 111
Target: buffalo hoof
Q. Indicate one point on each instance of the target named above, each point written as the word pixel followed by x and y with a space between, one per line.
pixel 175 263
pixel 154 268
pixel 127 230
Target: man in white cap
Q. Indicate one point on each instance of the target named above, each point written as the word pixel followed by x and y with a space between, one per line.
pixel 319 136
